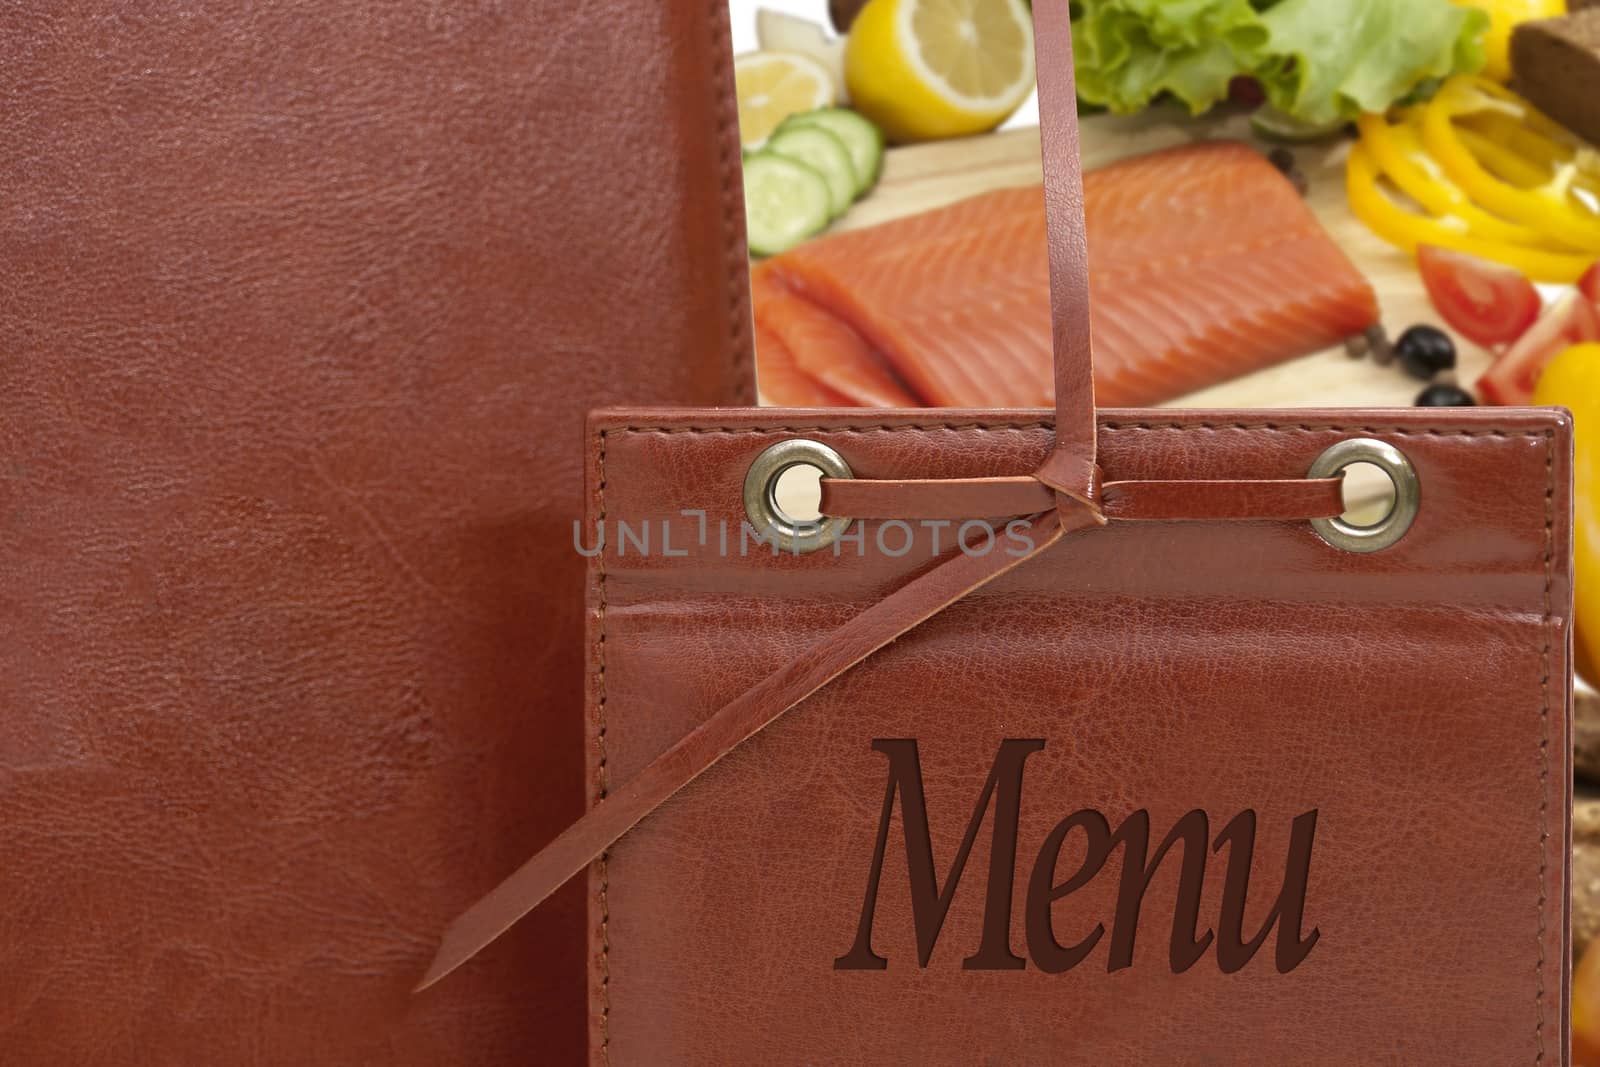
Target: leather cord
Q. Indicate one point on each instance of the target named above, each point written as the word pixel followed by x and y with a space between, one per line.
pixel 580 844
pixel 1070 468
pixel 976 498
pixel 1064 496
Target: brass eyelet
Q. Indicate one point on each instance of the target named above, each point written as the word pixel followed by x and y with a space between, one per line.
pixel 761 501
pixel 1407 495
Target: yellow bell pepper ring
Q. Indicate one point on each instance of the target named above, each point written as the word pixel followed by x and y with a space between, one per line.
pixel 1548 209
pixel 1572 380
pixel 1537 156
pixel 1399 154
pixel 1407 229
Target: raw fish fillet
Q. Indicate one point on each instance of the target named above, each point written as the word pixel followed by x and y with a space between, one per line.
pixel 821 346
pixel 1205 264
pixel 784 384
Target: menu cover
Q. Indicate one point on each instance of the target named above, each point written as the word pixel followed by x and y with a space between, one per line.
pixel 302 306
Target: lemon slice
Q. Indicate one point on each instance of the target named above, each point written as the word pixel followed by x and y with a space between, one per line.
pixel 926 69
pixel 774 85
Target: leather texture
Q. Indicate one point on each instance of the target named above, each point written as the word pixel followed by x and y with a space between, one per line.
pixel 1418 699
pixel 303 307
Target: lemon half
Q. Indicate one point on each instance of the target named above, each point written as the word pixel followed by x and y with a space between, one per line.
pixel 927 69
pixel 774 85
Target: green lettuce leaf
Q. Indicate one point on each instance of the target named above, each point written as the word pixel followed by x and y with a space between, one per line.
pixel 1129 52
pixel 1327 60
pixel 1318 60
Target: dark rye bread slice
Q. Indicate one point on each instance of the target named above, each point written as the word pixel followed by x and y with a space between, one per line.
pixel 1556 63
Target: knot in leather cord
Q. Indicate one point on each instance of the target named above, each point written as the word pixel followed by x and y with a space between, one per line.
pixel 1078 508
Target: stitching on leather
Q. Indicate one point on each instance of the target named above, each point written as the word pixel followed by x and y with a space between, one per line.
pixel 1544 739
pixel 603 784
pixel 1392 431
pixel 1279 427
pixel 738 262
pixel 737 430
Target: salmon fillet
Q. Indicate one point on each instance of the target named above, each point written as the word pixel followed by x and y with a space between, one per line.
pixel 1205 264
pixel 821 346
pixel 783 383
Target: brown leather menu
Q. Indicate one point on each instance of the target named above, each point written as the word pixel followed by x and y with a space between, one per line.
pixel 301 310
pixel 1172 791
pixel 1081 736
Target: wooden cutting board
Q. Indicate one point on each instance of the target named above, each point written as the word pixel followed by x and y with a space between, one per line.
pixel 924 177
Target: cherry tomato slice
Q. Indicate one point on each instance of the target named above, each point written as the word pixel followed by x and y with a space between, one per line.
pixel 1485 302
pixel 1589 284
pixel 1510 381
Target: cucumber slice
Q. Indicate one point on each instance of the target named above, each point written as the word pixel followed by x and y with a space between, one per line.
pixel 785 202
pixel 861 138
pixel 824 153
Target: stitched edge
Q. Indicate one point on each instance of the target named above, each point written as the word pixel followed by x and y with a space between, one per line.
pixel 1544 740
pixel 604 782
pixel 740 351
pixel 1549 560
pixel 982 427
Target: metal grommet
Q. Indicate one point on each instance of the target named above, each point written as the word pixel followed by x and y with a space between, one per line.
pixel 761 499
pixel 1407 495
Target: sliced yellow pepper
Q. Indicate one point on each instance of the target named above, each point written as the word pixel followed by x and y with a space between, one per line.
pixel 1573 380
pixel 1494 136
pixel 1547 209
pixel 1503 162
pixel 1407 229
pixel 1398 152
